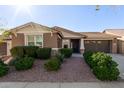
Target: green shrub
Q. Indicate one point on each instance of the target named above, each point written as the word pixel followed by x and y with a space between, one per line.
pixel 103 66
pixel 21 51
pixel 3 68
pixel 30 51
pixel 44 53
pixel 17 51
pixel 67 52
pixel 100 58
pixel 87 56
pixel 24 63
pixel 60 57
pixel 105 73
pixel 52 65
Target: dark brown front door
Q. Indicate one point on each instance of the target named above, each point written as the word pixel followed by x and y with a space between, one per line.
pixel 75 45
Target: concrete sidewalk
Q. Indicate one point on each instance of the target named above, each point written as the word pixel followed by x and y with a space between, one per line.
pixel 61 85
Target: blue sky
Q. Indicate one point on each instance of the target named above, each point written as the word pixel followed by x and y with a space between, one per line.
pixel 77 18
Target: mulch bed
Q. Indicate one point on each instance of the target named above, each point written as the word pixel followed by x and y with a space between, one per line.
pixel 73 69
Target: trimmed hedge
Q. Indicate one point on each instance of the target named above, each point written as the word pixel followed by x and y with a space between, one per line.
pixel 17 51
pixel 43 53
pixel 24 63
pixel 3 68
pixel 67 52
pixel 52 65
pixel 103 66
pixel 30 51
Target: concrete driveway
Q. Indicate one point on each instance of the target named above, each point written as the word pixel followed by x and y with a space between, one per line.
pixel 120 60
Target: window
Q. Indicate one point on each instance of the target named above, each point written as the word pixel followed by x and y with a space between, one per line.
pixel 34 40
pixel 39 40
pixel 30 40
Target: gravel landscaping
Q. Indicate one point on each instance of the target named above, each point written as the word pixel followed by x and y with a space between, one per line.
pixel 73 69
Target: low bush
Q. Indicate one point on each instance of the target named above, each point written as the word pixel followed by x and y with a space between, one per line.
pixel 24 63
pixel 17 51
pixel 67 52
pixel 52 65
pixel 103 66
pixel 105 73
pixel 60 57
pixel 100 59
pixel 3 68
pixel 44 53
pixel 30 51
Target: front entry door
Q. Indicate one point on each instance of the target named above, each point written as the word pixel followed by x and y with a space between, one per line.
pixel 75 45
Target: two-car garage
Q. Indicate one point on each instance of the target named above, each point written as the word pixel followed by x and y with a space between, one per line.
pixel 98 45
pixel 99 41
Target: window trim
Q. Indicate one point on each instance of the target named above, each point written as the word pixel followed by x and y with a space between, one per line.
pixel 26 39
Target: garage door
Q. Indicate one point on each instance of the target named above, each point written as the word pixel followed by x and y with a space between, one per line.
pixel 3 49
pixel 98 45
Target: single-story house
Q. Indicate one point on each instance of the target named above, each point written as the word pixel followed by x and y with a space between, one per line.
pixel 120 39
pixel 33 34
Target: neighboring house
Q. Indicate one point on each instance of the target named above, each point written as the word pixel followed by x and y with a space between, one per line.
pixel 4 42
pixel 120 39
pixel 57 37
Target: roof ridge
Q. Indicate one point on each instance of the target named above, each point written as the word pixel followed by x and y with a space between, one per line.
pixel 29 23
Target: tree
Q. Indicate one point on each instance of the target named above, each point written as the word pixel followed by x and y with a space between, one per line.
pixel 3 32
